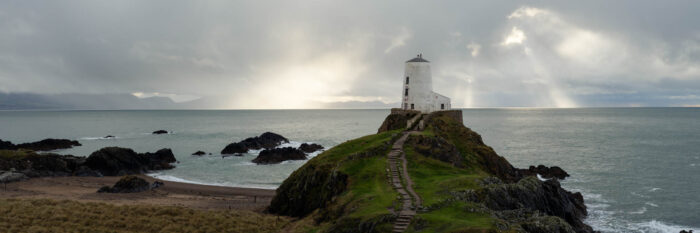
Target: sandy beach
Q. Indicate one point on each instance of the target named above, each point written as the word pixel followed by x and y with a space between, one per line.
pixel 84 189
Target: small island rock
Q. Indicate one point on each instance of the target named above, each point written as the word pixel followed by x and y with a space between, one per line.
pixel 266 140
pixel 310 148
pixel 160 132
pixel 199 153
pixel 277 155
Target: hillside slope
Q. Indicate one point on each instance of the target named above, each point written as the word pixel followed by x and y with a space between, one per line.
pixel 464 185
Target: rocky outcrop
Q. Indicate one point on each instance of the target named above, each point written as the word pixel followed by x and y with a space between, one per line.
pixel 278 155
pixel 160 132
pixel 267 140
pixel 307 189
pixel 8 176
pixel 7 145
pixel 310 148
pixel 106 161
pixel 545 172
pixel 199 153
pixel 116 161
pixel 532 194
pixel 437 148
pixel 43 145
pixel 127 184
pixel 398 119
pixel 32 164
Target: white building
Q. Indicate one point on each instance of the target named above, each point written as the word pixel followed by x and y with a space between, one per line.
pixel 418 88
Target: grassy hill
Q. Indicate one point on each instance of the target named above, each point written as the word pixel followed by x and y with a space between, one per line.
pixel 464 184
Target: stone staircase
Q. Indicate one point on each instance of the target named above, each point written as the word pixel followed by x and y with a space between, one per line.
pixel 409 199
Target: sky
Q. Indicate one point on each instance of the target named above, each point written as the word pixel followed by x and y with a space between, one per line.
pixel 317 54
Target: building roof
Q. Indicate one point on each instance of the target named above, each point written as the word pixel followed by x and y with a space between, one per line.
pixel 418 58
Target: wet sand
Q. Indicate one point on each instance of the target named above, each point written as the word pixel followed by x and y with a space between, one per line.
pixel 171 194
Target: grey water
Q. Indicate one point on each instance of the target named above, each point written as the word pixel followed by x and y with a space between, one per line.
pixel 638 168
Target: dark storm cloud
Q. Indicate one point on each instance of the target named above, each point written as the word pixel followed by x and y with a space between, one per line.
pixel 268 54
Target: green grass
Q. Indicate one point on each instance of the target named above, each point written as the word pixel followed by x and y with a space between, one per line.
pixel 71 216
pixel 456 218
pixel 433 179
pixel 14 154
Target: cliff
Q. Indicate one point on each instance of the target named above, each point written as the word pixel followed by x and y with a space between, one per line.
pixel 465 186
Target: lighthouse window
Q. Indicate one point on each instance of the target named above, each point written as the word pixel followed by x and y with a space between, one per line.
pixel 412 107
pixel 406 79
pixel 442 106
pixel 406 92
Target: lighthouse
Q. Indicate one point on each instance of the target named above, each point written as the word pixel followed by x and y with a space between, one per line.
pixel 418 91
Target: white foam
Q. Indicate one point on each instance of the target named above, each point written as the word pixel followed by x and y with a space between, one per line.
pixel 654 189
pixel 651 204
pixel 541 179
pixel 98 138
pixel 640 211
pixel 181 180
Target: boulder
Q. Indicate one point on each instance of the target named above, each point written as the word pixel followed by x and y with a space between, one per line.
pixel 108 137
pixel 161 159
pixel 7 145
pixel 277 155
pixel 49 144
pixel 160 132
pixel 199 153
pixel 114 161
pixel 8 176
pixel 546 197
pixel 545 172
pixel 310 148
pixel 127 184
pixel 266 140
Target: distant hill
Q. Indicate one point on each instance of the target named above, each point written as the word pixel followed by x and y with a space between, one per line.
pixel 25 101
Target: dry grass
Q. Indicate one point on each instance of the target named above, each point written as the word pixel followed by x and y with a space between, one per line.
pixel 71 216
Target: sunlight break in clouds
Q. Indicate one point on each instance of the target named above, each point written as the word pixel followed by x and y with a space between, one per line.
pixel 475 48
pixel 516 36
pixel 399 40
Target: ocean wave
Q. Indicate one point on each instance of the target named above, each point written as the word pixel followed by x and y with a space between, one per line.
pixel 651 204
pixel 226 184
pixel 542 178
pixel 654 189
pixel 640 211
pixel 98 138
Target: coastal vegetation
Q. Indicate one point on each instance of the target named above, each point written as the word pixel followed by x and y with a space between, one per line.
pixel 465 186
pixel 70 216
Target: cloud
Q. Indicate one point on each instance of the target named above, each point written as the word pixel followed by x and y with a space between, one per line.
pixel 399 40
pixel 298 54
pixel 516 36
pixel 475 48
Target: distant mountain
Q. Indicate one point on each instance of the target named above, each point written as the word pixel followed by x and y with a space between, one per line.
pixel 22 101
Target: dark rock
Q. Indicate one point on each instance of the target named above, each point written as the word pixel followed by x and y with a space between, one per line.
pixel 437 148
pixel 547 197
pixel 113 161
pixel 49 144
pixel 7 177
pixel 310 148
pixel 199 153
pixel 545 172
pixel 127 184
pixel 156 184
pixel 39 165
pixel 108 136
pixel 161 159
pixel 546 224
pixel 86 171
pixel 307 189
pixel 7 145
pixel 266 140
pixel 277 155
pixel 684 231
pixel 160 132
pixel 398 119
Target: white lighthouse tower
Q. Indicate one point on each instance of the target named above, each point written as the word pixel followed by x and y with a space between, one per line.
pixel 418 88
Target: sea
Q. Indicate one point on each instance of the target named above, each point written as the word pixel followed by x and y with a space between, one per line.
pixel 637 168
